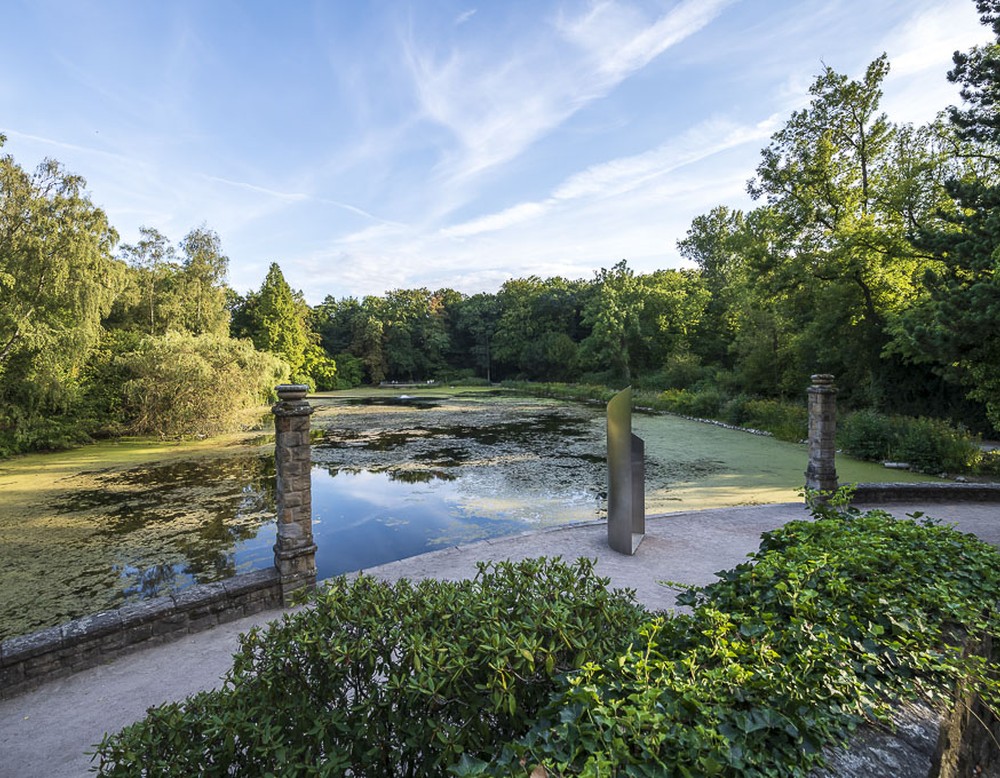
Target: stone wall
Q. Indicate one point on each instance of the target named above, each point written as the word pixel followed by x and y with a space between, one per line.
pixel 29 660
pixel 927 491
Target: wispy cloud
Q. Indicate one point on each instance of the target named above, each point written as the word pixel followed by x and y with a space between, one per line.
pixel 497 103
pixel 496 221
pixel 619 176
pixel 617 41
pixel 63 145
pixel 291 197
pixel 920 52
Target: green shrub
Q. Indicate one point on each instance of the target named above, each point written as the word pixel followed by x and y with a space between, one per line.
pixel 380 679
pixel 929 445
pixel 989 463
pixel 734 410
pixel 867 434
pixel 560 391
pixel 703 403
pixel 784 420
pixel 933 445
pixel 350 370
pixel 831 622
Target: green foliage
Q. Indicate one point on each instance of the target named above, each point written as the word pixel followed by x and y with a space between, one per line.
pixel 202 281
pixel 378 679
pixel 591 392
pixel 537 664
pixel 928 445
pixel 536 327
pixel 703 404
pixel 350 371
pixel 320 368
pixel 785 420
pixel 280 316
pixel 57 280
pixel 955 329
pixel 184 384
pixel 57 276
pixel 830 622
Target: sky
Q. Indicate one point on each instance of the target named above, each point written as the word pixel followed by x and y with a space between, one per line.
pixel 369 146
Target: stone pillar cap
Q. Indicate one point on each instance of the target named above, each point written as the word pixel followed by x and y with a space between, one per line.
pixel 821 378
pixel 291 392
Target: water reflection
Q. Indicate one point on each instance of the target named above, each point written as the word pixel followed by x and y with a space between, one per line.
pixel 387 484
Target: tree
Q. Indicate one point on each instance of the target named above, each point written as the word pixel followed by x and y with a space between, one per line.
pixel 57 275
pixel 613 314
pixel 474 327
pixel 845 188
pixel 957 329
pixel 281 319
pixel 203 282
pixel 172 376
pixel 540 327
pixel 153 260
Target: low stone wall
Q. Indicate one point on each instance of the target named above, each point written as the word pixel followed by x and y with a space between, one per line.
pixel 926 492
pixel 29 660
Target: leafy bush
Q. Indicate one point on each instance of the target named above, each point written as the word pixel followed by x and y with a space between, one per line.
pixel 929 445
pixel 989 464
pixel 560 391
pixel 830 622
pixel 320 368
pixel 867 434
pixel 704 403
pixel 784 420
pixel 380 679
pixel 933 446
pixel 183 384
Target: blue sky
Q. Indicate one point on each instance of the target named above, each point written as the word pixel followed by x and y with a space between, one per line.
pixel 382 145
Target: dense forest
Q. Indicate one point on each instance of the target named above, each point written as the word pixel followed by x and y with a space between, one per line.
pixel 872 253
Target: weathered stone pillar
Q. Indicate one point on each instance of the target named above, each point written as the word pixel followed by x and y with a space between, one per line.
pixel 821 474
pixel 295 552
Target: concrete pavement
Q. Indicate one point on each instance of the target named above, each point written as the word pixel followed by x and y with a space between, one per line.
pixel 47 732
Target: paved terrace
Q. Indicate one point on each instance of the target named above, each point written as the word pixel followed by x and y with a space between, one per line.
pixel 47 732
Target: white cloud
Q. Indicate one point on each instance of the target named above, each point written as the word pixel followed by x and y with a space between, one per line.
pixel 920 52
pixel 286 196
pixel 498 102
pixel 618 41
pixel 634 207
pixel 619 176
pixel 496 221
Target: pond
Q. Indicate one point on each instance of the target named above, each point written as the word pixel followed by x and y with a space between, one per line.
pixel 393 475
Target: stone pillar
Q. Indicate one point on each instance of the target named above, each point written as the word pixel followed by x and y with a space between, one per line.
pixel 821 474
pixel 295 552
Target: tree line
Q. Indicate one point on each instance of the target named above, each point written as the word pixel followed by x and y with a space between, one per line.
pixel 871 253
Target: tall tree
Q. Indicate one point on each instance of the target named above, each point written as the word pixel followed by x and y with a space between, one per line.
pixel 958 328
pixel 540 327
pixel 613 314
pixel 281 315
pixel 57 275
pixel 475 324
pixel 153 260
pixel 204 276
pixel 831 178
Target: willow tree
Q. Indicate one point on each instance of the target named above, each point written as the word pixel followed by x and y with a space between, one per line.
pixel 57 274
